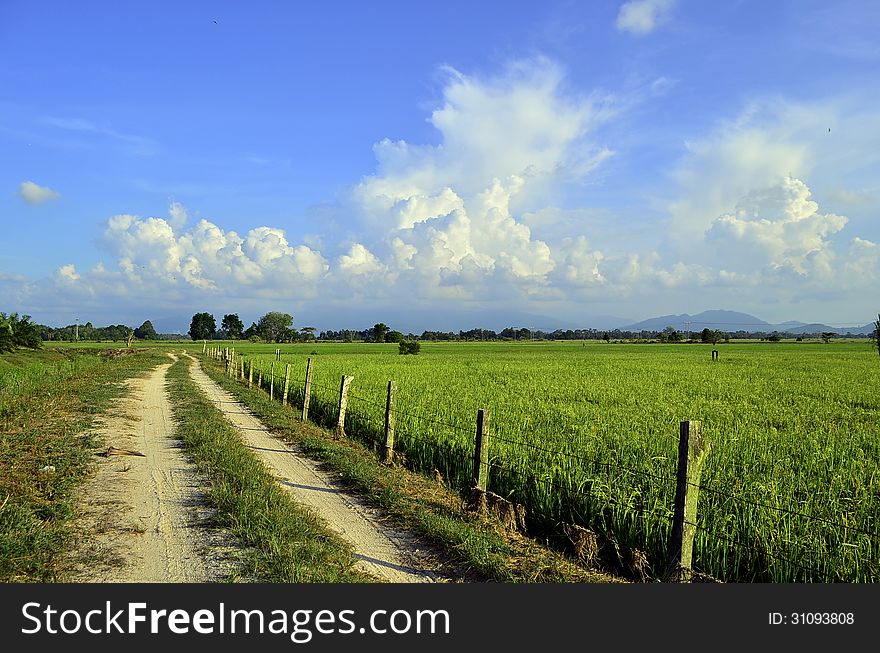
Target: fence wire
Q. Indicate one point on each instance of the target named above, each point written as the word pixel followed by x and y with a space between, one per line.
pixel 404 433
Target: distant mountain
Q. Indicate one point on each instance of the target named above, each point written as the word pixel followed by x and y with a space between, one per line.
pixel 716 319
pixel 865 330
pixel 731 321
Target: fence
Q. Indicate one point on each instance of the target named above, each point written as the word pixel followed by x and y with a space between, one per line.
pixel 672 541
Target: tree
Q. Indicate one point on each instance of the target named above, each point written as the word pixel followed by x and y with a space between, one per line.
pixel 18 331
pixel 274 326
pixel 379 331
pixel 202 326
pixel 232 326
pixel 394 336
pixel 308 333
pixel 146 331
pixel 606 337
pixel 669 334
pixel 827 336
pixel 706 335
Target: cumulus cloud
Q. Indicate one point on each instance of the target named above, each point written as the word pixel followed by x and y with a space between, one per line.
pixel 447 212
pixel 641 17
pixel 767 140
pixel 35 194
pixel 521 123
pixel 780 226
pixel 178 215
pixel 151 252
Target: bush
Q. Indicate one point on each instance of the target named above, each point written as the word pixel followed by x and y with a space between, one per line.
pixel 411 347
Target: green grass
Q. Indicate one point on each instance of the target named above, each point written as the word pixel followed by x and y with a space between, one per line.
pixel 48 400
pixel 588 435
pixel 287 543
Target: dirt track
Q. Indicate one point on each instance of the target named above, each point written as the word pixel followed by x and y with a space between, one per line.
pixel 383 552
pixel 143 516
pixel 143 513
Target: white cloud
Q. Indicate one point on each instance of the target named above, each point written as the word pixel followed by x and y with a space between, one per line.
pixel 641 17
pixel 35 194
pixel 522 123
pixel 444 214
pixel 359 261
pixel 68 273
pixel 178 215
pixel 778 226
pixel 768 140
pixel 153 254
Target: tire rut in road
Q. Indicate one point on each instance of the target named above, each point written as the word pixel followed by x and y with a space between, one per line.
pixel 143 515
pixel 382 551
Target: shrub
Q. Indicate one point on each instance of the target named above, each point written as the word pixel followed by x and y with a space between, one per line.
pixel 411 347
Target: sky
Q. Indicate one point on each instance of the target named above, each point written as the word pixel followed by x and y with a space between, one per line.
pixel 448 165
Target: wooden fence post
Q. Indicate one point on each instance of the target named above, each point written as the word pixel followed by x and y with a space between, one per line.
pixel 250 374
pixel 692 450
pixel 286 383
pixel 272 381
pixel 481 463
pixel 343 404
pixel 307 391
pixel 389 423
pixel 260 376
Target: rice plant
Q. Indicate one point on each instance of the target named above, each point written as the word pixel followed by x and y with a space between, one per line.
pixel 588 435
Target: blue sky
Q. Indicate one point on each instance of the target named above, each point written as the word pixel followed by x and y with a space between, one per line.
pixel 439 165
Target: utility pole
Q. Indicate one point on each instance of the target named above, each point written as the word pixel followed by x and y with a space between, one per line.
pixel 76 337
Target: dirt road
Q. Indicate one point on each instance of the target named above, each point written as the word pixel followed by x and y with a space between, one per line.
pixel 142 513
pixel 383 552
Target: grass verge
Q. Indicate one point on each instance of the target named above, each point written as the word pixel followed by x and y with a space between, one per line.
pixel 286 542
pixel 48 402
pixel 480 548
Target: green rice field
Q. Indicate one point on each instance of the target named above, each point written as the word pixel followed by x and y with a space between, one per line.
pixel 588 434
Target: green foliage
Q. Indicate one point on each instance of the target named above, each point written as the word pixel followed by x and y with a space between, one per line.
pixel 409 347
pixel 18 332
pixel 379 332
pixel 669 334
pixel 232 327
pixel 202 326
pixel 48 400
pixel 146 331
pixel 274 326
pixel 394 336
pixel 827 336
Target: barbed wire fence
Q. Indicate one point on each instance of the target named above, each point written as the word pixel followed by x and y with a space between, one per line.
pixel 749 560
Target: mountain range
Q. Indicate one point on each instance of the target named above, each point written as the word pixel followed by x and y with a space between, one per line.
pixel 732 321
